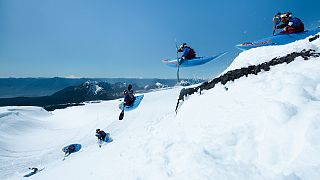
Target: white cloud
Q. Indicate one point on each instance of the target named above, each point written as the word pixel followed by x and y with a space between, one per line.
pixel 73 77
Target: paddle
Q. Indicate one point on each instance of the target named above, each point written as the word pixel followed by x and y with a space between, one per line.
pixel 100 142
pixel 274 30
pixel 65 155
pixel 177 61
pixel 122 113
pixel 276 20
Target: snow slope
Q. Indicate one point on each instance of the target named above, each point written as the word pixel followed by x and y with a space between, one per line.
pixel 263 127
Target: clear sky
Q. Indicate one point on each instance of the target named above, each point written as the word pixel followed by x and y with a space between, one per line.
pixel 129 38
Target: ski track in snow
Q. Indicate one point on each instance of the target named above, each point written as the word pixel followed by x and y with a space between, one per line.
pixel 263 127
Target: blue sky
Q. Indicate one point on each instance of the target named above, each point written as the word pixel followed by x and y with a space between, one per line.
pixel 129 38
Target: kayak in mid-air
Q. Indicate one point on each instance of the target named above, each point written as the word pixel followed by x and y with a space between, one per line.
pixel 191 62
pixel 279 39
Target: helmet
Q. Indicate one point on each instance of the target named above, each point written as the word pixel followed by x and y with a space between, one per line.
pixel 183 45
pixel 278 14
pixel 97 130
pixel 129 87
pixel 276 20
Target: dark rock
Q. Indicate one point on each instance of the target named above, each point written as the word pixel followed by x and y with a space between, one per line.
pixel 245 71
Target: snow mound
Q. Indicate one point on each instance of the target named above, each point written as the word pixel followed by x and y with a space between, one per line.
pixel 256 127
pixel 263 54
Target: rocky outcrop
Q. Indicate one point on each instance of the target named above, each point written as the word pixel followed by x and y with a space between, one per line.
pixel 245 71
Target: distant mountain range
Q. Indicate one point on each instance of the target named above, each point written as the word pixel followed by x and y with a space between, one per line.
pixel 43 91
pixel 34 87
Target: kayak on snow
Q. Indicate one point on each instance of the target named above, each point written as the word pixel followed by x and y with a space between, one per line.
pixel 279 39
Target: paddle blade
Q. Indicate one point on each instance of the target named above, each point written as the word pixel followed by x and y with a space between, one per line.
pixel 121 115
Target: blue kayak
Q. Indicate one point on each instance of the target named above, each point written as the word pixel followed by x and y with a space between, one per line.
pixel 77 147
pixel 134 105
pixel 107 138
pixel 279 39
pixel 191 62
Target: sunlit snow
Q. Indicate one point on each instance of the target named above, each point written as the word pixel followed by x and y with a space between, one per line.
pixel 263 127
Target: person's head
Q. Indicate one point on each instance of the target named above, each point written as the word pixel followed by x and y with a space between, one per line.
pixel 129 87
pixel 182 46
pixel 97 130
pixel 277 18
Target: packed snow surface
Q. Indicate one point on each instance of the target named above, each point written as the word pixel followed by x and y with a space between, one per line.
pixel 263 127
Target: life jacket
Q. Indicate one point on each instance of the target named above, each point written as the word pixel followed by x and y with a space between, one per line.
pixel 71 148
pixel 296 22
pixel 295 25
pixel 128 97
pixel 191 54
pixel 101 135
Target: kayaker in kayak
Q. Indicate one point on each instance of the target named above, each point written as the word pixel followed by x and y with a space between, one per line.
pixel 288 23
pixel 187 52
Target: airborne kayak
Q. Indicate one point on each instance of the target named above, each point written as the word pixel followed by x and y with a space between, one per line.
pixel 279 39
pixel 191 62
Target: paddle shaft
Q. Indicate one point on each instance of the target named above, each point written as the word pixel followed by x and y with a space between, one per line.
pixel 274 29
pixel 178 62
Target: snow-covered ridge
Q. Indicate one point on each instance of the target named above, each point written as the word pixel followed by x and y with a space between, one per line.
pixel 262 127
pixel 92 86
pixel 245 72
pixel 263 54
pixel 241 67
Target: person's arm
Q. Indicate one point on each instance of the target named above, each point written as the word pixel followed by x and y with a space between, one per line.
pixel 126 97
pixel 185 52
pixel 99 135
pixel 290 23
pixel 131 92
pixel 281 26
pixel 103 136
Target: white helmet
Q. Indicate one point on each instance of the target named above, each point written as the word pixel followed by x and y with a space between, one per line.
pixel 183 45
